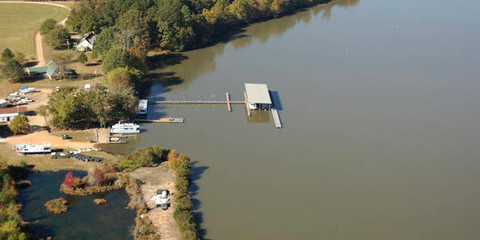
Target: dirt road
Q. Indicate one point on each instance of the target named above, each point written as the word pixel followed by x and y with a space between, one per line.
pixel 38 36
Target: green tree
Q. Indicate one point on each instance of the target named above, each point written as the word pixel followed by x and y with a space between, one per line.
pixel 121 102
pixel 57 37
pixel 20 57
pixel 116 58
pixel 7 54
pixel 125 75
pixel 43 111
pixel 47 26
pixel 13 71
pixel 20 125
pixel 82 58
pixel 63 107
pixel 104 41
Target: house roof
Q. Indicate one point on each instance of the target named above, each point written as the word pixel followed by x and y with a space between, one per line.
pixel 13 110
pixel 37 69
pixel 257 93
pixel 52 68
pixel 89 37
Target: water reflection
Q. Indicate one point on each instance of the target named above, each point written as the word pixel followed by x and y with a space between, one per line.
pixel 170 73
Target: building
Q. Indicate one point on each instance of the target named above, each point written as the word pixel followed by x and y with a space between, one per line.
pixel 7 114
pixel 86 43
pixel 258 96
pixel 51 70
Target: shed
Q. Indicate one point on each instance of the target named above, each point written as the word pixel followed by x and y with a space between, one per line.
pixel 7 114
pixel 258 96
pixel 86 43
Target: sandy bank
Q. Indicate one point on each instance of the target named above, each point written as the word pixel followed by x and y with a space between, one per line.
pixel 158 178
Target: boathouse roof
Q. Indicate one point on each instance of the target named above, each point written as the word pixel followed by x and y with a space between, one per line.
pixel 257 93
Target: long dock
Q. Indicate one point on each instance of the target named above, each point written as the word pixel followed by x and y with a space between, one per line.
pixel 161 120
pixel 194 102
pixel 276 118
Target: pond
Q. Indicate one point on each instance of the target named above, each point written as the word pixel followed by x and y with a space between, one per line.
pixel 84 220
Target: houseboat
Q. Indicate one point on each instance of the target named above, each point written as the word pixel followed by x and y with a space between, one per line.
pixel 125 128
pixel 143 107
pixel 33 149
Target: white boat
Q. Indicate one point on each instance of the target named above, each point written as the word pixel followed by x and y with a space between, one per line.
pixel 143 107
pixel 33 149
pixel 27 89
pixel 125 128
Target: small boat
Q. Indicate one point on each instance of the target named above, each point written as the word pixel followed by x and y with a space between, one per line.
pixel 143 107
pixel 126 128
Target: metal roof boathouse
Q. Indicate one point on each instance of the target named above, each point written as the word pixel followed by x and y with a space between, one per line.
pixel 258 96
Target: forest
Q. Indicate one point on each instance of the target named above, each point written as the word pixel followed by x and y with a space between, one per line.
pixel 174 25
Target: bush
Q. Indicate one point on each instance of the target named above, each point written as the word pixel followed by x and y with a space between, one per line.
pixel 57 206
pixel 144 157
pixel 82 58
pixel 19 125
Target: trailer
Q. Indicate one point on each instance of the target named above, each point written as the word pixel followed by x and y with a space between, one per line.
pixel 33 149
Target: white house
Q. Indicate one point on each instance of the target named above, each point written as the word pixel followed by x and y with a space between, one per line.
pixel 7 114
pixel 86 43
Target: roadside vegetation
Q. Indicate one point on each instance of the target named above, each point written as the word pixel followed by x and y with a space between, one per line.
pixel 10 227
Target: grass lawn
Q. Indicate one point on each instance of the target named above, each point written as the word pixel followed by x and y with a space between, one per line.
pixel 19 23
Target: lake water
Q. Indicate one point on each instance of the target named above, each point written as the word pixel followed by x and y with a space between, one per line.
pixel 84 219
pixel 379 101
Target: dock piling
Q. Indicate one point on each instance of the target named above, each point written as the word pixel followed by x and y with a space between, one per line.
pixel 229 108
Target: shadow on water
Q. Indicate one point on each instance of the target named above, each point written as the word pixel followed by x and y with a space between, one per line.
pixel 277 103
pixel 197 172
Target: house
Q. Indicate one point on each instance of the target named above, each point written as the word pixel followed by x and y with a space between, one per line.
pixel 51 70
pixel 258 96
pixel 86 43
pixel 7 114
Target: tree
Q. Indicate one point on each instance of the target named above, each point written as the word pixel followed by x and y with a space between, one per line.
pixel 20 57
pixel 70 180
pixel 57 37
pixel 116 58
pixel 125 75
pixel 104 42
pixel 47 26
pixel 82 58
pixel 98 176
pixel 20 125
pixel 7 54
pixel 43 111
pixel 13 71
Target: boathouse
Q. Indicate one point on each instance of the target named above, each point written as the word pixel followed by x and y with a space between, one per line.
pixel 258 96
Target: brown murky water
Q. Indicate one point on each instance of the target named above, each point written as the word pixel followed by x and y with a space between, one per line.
pixel 379 101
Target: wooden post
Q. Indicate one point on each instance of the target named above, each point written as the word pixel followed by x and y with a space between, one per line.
pixel 229 108
pixel 246 104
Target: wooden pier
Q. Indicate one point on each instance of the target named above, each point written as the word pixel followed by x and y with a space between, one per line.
pixel 161 120
pixel 199 102
pixel 276 118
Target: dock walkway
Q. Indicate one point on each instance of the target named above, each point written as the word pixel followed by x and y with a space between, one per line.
pixel 276 118
pixel 193 102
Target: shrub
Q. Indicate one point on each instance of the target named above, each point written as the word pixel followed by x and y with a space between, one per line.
pixel 7 55
pixel 57 206
pixel 19 125
pixel 98 176
pixel 82 58
pixel 144 157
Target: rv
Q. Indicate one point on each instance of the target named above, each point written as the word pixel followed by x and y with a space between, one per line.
pixel 125 128
pixel 33 149
pixel 143 107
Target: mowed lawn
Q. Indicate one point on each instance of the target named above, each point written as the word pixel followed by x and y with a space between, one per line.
pixel 19 22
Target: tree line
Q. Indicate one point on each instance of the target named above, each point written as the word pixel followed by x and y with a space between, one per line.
pixel 174 25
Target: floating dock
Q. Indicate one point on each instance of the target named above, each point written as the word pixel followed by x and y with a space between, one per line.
pixel 161 120
pixel 276 118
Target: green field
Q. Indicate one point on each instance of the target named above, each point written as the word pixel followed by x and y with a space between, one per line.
pixel 19 23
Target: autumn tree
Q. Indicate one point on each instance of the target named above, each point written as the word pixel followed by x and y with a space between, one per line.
pixel 98 176
pixel 70 180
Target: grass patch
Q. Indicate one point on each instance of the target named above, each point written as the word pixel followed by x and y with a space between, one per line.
pixel 19 23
